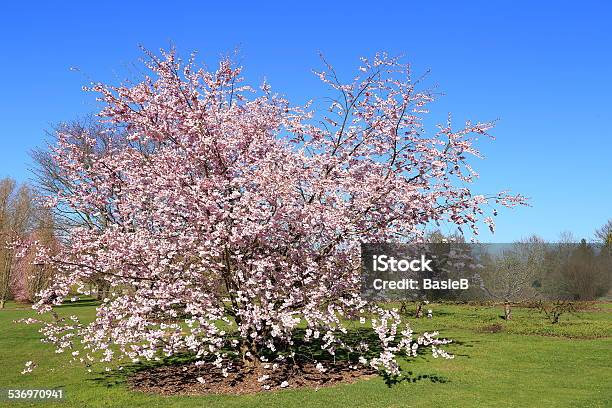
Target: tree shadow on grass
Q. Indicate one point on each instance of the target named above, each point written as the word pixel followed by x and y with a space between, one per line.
pixel 313 348
pixel 307 353
pixel 410 377
pixel 79 303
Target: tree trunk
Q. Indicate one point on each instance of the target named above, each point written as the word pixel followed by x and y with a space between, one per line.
pixel 507 312
pixel 419 310
pixel 403 308
pixel 102 290
pixel 2 303
pixel 249 358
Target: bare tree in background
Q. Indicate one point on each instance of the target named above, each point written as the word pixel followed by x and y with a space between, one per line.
pixel 512 275
pixel 31 277
pixel 94 140
pixel 604 234
pixel 49 180
pixel 16 211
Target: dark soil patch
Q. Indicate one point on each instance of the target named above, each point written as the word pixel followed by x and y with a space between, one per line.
pixel 493 328
pixel 191 380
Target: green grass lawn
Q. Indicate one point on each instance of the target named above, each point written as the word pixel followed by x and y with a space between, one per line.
pixel 528 363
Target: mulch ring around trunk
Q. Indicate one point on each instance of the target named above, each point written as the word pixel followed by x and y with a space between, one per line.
pixel 208 379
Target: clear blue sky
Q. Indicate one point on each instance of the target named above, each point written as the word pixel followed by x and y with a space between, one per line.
pixel 542 68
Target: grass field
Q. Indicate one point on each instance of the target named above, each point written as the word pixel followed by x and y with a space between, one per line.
pixel 527 363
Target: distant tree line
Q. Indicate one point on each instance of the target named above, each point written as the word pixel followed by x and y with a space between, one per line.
pixel 533 270
pixel 25 227
pixel 530 270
